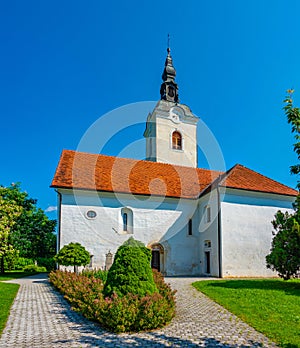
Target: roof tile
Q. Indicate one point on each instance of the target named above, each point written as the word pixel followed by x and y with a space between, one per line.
pixel 240 177
pixel 79 170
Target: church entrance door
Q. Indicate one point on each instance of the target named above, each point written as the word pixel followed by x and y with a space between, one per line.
pixel 207 262
pixel 158 258
pixel 155 262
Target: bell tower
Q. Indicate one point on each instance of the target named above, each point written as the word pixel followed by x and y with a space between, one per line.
pixel 171 128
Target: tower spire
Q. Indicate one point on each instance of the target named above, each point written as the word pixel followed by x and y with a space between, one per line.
pixel 169 88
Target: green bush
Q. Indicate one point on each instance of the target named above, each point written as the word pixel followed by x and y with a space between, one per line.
pixel 22 262
pixel 72 254
pixel 35 269
pixel 17 263
pixel 128 313
pixel 131 271
pixel 47 262
pixel 97 274
pixel 10 260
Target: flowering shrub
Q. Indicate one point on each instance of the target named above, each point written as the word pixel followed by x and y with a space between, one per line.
pixel 131 312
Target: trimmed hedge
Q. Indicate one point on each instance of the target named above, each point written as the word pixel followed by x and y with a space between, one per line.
pixel 128 313
pixel 35 269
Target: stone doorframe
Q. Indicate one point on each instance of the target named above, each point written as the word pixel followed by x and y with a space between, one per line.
pixel 158 247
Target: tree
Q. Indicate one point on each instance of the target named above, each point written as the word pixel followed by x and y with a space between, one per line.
pixel 9 212
pixel 284 256
pixel 285 251
pixel 131 271
pixel 33 233
pixel 73 254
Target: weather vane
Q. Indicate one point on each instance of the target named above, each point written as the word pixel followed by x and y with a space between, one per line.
pixel 168 49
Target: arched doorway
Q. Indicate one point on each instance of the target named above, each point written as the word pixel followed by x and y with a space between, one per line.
pixel 157 260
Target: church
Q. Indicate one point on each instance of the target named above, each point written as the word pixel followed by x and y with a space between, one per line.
pixel 196 221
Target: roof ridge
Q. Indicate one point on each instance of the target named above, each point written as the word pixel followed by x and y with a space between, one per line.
pixel 262 175
pixel 94 171
pixel 227 173
pixel 139 160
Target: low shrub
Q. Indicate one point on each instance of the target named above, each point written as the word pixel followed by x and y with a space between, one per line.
pixel 19 263
pixel 131 312
pixel 35 269
pixel 47 262
pixel 98 274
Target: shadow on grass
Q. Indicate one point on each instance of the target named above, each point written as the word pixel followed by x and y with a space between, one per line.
pixel 15 275
pixel 291 287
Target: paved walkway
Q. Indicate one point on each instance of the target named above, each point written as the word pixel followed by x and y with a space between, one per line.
pixel 41 318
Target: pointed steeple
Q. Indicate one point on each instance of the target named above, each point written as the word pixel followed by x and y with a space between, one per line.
pixel 169 88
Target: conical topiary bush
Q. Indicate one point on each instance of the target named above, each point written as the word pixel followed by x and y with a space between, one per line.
pixel 131 271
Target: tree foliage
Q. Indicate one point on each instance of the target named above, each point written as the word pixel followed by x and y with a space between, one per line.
pixel 285 251
pixel 34 234
pixel 131 271
pixel 29 232
pixel 293 117
pixel 73 254
pixel 284 256
pixel 9 212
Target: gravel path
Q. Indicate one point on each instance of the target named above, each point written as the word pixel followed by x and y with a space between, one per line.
pixel 40 317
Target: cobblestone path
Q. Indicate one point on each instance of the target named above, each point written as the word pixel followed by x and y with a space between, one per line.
pixel 40 317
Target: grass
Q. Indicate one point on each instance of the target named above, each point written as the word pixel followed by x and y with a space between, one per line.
pixel 7 294
pixel 14 275
pixel 271 306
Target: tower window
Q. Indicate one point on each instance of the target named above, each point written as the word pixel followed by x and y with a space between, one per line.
pixel 176 141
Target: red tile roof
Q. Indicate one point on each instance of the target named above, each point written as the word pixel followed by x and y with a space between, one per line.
pixel 78 170
pixel 240 177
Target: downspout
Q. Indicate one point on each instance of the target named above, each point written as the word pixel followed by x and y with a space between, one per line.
pixel 219 233
pixel 59 221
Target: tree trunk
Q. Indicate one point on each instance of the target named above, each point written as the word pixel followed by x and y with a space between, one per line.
pixel 2 271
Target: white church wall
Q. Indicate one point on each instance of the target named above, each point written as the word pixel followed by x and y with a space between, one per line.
pixel 182 253
pixel 154 220
pixel 247 231
pixel 208 234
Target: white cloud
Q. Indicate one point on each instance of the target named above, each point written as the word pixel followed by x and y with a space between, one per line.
pixel 51 208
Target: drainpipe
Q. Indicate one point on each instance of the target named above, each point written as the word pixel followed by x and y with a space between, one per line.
pixel 219 234
pixel 59 220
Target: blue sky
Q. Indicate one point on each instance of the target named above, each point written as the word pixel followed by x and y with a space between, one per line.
pixel 63 64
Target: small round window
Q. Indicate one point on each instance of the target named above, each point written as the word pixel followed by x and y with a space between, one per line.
pixel 91 214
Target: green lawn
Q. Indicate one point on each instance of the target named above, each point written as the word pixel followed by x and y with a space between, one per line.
pixel 14 275
pixel 271 306
pixel 7 295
